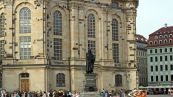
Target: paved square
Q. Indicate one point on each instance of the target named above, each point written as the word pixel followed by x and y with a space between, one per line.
pixel 159 96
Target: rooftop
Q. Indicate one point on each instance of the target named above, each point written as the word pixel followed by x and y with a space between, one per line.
pixel 161 37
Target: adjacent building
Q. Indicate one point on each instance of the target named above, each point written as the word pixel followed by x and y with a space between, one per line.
pixel 141 54
pixel 43 43
pixel 160 58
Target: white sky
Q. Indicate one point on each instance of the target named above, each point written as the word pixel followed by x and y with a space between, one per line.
pixel 153 14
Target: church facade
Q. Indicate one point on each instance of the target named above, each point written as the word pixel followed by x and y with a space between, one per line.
pixel 43 43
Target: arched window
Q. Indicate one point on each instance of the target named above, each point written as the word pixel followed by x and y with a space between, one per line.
pixel 118 80
pixel 91 26
pixel 2 22
pixel 92 46
pixel 58 49
pixel 60 80
pixel 57 20
pixel 2 50
pixel 115 52
pixel 114 30
pixel 170 35
pixel 155 42
pixel 25 20
pixel 25 47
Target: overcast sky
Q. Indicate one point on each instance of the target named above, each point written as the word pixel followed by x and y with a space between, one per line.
pixel 153 14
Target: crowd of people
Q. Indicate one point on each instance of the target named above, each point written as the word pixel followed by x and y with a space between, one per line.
pixel 59 93
pixel 52 93
pixel 118 93
pixel 64 93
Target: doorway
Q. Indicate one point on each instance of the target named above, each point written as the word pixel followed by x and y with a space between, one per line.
pixel 24 82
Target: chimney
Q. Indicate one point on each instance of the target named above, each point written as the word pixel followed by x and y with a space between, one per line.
pixel 166 25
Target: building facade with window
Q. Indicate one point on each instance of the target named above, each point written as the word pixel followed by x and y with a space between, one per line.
pixel 141 54
pixel 43 43
pixel 160 58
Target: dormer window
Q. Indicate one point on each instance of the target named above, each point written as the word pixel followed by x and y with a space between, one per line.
pixel 155 37
pixel 166 36
pixel 151 42
pixel 170 40
pixel 165 41
pixel 160 41
pixel 142 39
pixel 160 36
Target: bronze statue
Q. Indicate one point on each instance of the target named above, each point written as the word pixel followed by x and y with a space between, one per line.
pixel 90 59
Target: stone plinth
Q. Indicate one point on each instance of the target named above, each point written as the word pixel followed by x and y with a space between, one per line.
pixel 90 94
pixel 90 84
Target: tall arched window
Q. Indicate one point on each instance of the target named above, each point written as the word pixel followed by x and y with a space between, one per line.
pixel 25 47
pixel 118 80
pixel 114 30
pixel 91 26
pixel 115 52
pixel 58 49
pixel 92 46
pixel 2 22
pixel 60 80
pixel 57 20
pixel 2 44
pixel 25 20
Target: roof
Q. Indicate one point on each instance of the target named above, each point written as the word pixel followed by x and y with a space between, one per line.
pixel 163 30
pixel 141 39
pixel 161 37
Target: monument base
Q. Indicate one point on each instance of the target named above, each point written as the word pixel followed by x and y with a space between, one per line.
pixel 90 94
pixel 90 85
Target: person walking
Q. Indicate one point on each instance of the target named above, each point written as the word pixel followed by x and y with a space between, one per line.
pixel 44 94
pixel 144 93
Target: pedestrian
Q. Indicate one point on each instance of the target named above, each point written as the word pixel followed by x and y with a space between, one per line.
pixel 144 93
pixel 44 94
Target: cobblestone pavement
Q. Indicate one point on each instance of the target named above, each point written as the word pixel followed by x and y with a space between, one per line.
pixel 159 96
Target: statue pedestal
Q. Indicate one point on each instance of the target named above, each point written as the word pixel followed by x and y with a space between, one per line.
pixel 90 84
pixel 90 94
